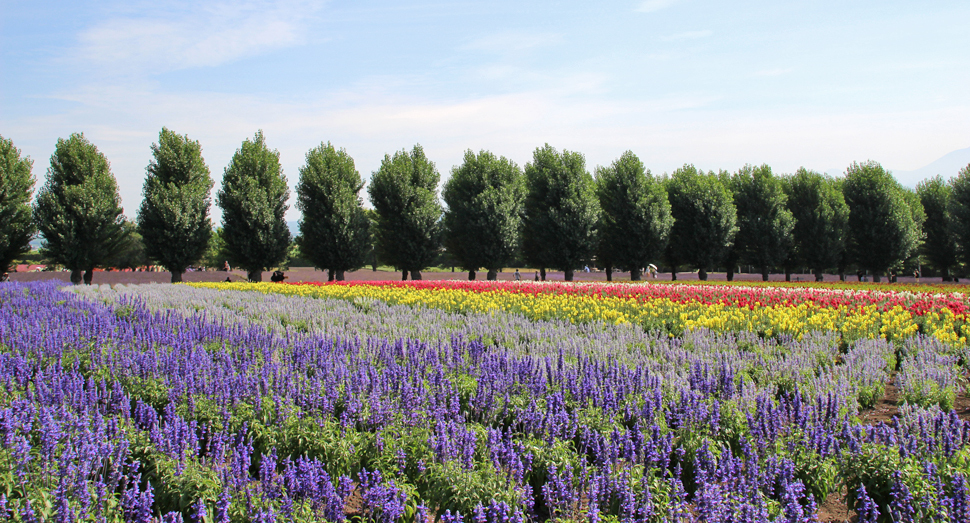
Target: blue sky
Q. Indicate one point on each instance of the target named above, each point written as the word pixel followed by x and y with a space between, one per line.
pixel 717 84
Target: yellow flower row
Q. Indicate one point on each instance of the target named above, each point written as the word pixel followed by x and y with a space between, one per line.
pixel 661 313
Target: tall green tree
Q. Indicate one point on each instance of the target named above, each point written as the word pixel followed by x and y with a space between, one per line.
pixel 334 230
pixel 484 212
pixel 173 219
pixel 821 220
pixel 404 192
pixel 561 211
pixel 253 201
pixel 16 187
pixel 78 210
pixel 883 232
pixel 635 221
pixel 765 224
pixel 959 208
pixel 705 220
pixel 132 253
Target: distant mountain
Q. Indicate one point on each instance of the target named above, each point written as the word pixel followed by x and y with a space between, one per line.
pixel 947 167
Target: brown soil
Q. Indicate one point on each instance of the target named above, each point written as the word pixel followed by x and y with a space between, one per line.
pixel 834 509
pixel 297 274
pixel 886 408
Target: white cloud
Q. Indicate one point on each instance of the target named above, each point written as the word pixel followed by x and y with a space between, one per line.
pixel 196 37
pixel 687 35
pixel 510 42
pixel 649 6
pixel 774 72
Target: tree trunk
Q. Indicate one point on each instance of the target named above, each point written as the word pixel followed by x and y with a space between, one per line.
pixel 635 274
pixel 404 275
pixel 340 275
pixel 764 274
pixel 472 275
pixel 876 277
pixel 415 275
pixel 568 275
pixel 673 273
pixel 787 274
pixel 609 273
pixel 819 275
pixel 730 273
pixel 841 275
pixel 177 276
pixel 492 275
pixel 330 275
pixel 542 274
pixel 702 274
pixel 255 276
pixel 76 276
pixel 88 276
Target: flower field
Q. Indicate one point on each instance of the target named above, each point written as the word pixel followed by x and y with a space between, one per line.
pixel 480 402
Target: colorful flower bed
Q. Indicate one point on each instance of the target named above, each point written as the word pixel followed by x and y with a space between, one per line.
pixel 174 403
pixel 673 309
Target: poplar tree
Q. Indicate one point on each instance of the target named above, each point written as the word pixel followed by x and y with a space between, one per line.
pixel 883 224
pixel 173 219
pixel 959 208
pixel 253 201
pixel 16 186
pixel 821 220
pixel 334 230
pixel 705 220
pixel 635 221
pixel 765 225
pixel 561 211
pixel 484 212
pixel 78 210
pixel 404 192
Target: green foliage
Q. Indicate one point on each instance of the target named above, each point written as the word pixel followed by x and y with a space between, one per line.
pixel 216 252
pixel 635 221
pixel 131 253
pixel 481 225
pixel 16 186
pixel 821 219
pixel 173 219
pixel 334 230
pixel 253 201
pixel 939 245
pixel 959 208
pixel 764 223
pixel 561 211
pixel 78 210
pixel 882 227
pixel 705 219
pixel 404 192
pixel 876 467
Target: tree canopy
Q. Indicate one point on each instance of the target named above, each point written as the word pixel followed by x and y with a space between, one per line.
pixel 939 244
pixel 764 223
pixel 561 211
pixel 16 187
pixel 484 199
pixel 821 220
pixel 173 218
pixel 635 219
pixel 334 230
pixel 78 210
pixel 960 213
pixel 705 220
pixel 253 201
pixel 882 227
pixel 404 192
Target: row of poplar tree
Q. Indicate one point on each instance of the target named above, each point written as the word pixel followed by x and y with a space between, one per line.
pixel 553 214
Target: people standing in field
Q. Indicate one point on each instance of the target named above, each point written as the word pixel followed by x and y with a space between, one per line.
pixel 516 276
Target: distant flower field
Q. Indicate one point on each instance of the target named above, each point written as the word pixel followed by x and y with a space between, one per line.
pixel 481 402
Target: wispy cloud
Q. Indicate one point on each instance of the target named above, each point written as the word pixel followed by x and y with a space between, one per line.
pixel 688 35
pixel 196 37
pixel 649 6
pixel 513 42
pixel 774 72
